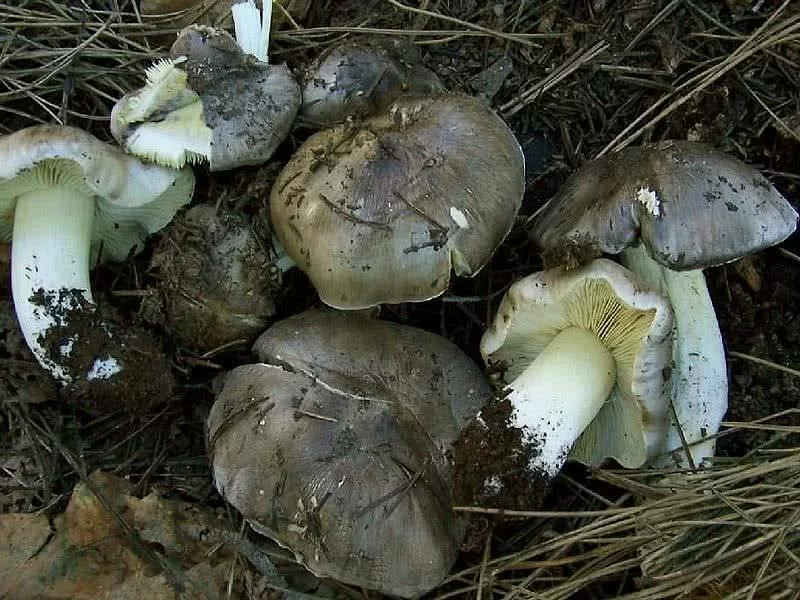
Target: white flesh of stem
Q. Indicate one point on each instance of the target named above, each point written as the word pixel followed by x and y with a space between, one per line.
pixel 699 370
pixel 556 397
pixel 49 253
pixel 252 28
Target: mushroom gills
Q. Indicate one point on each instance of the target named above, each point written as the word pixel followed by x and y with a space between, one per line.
pixel 179 138
pixel 634 326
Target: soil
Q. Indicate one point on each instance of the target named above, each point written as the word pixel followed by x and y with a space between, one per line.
pixel 216 279
pixel 491 463
pixel 139 375
pixel 652 47
pixel 765 324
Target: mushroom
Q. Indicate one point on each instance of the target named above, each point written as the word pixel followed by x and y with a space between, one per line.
pixel 383 211
pixel 216 99
pixel 71 200
pixel 335 446
pixel 217 279
pixel 362 79
pixel 583 355
pixel 687 207
pixel 177 14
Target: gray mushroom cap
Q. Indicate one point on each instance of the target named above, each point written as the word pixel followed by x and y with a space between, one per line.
pixel 362 79
pixel 336 450
pixel 210 102
pixel 382 212
pixel 691 206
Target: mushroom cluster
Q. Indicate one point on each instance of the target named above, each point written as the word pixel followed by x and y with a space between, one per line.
pixel 350 438
pixel 669 210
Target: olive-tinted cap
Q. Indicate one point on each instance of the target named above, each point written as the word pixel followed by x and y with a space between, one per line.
pixel 340 454
pixel 382 212
pixel 691 206
pixel 133 199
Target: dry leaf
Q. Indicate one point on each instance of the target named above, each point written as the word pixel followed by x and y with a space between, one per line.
pixel 87 553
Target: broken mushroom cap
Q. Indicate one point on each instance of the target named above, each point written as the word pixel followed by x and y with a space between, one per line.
pixel 217 280
pixel 176 14
pixel 335 446
pixel 362 79
pixel 382 212
pixel 690 205
pixel 585 354
pixel 69 200
pixel 209 102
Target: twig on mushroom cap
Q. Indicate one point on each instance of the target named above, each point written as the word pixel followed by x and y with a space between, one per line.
pixel 336 446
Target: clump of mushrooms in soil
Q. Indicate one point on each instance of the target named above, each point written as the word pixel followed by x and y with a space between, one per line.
pixel 638 375
pixel 351 438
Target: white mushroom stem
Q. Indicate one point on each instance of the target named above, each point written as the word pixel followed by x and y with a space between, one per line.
pixel 556 397
pixel 50 255
pixel 699 369
pixel 252 27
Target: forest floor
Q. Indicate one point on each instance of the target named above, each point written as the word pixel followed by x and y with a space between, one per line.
pixel 574 80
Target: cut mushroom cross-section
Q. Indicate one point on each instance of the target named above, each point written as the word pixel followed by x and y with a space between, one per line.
pixel 382 212
pixel 585 355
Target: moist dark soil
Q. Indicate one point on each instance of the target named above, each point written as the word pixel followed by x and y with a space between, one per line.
pixel 112 366
pixel 491 463
pixel 765 324
pixel 47 444
pixel 215 279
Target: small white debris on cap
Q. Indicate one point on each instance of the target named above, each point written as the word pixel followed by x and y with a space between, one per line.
pixel 650 200
pixel 459 218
